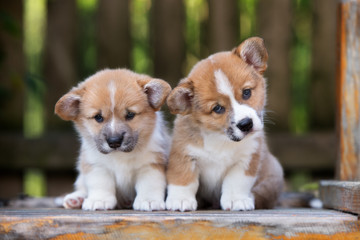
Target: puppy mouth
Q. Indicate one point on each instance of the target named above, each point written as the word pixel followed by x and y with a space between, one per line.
pixel 124 144
pixel 236 135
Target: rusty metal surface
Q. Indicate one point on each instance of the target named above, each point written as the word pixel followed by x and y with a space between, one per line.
pixel 348 85
pixel 121 224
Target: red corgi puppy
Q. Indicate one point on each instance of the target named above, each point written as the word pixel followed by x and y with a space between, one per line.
pixel 219 154
pixel 124 141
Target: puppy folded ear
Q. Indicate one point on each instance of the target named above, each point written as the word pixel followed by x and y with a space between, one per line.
pixel 67 107
pixel 254 53
pixel 156 90
pixel 180 98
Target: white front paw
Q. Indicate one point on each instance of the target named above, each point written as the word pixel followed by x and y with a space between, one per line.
pixel 237 203
pixel 181 204
pixel 104 203
pixel 148 204
pixel 74 200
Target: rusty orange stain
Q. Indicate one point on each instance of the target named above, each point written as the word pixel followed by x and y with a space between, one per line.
pixel 193 230
pixel 38 223
pixel 75 236
pixel 196 230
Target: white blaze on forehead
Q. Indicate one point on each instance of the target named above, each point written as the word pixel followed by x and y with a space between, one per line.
pixel 223 84
pixel 240 111
pixel 224 87
pixel 112 90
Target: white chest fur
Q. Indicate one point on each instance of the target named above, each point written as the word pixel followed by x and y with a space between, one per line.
pixel 123 169
pixel 217 157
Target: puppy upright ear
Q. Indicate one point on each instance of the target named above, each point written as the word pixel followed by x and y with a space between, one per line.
pixel 254 53
pixel 67 107
pixel 156 90
pixel 180 98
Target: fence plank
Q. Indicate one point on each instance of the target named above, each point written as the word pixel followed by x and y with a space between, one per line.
pixel 113 34
pixel 168 39
pixel 60 57
pixel 348 86
pixel 274 25
pixel 322 90
pixel 11 64
pixel 223 25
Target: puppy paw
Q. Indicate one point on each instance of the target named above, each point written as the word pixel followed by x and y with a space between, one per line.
pixel 148 204
pixel 237 203
pixel 105 203
pixel 74 200
pixel 185 204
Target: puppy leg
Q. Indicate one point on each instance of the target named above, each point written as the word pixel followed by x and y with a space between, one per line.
pixel 183 179
pixel 182 198
pixel 236 191
pixel 75 200
pixel 100 184
pixel 150 189
pixel 268 188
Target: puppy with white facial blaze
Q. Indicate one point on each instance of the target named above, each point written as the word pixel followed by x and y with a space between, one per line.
pixel 219 156
pixel 124 141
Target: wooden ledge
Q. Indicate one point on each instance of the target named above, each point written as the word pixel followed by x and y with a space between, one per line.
pixel 127 224
pixel 341 195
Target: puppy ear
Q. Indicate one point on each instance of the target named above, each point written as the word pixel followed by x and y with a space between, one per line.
pixel 180 98
pixel 67 107
pixel 254 53
pixel 156 90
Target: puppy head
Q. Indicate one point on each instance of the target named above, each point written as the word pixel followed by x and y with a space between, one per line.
pixel 226 92
pixel 114 109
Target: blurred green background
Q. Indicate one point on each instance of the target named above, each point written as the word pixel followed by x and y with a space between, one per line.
pixel 47 46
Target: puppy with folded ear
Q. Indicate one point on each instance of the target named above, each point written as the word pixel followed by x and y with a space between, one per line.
pixel 219 154
pixel 124 141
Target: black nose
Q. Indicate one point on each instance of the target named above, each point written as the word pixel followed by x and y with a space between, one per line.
pixel 115 142
pixel 245 125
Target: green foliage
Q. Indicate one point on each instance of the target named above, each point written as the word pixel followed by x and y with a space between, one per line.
pixel 300 64
pixel 247 18
pixel 140 34
pixel 34 29
pixel 34 183
pixel 298 180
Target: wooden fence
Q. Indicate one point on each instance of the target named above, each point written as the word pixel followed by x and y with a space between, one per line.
pixel 300 37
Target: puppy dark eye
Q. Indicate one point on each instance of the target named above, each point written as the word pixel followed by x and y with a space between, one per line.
pixel 129 115
pixel 218 109
pixel 246 94
pixel 99 118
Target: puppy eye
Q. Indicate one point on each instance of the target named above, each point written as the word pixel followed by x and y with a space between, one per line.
pixel 99 118
pixel 218 109
pixel 129 115
pixel 246 94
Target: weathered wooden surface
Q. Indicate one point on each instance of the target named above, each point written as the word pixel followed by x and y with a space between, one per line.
pixel 341 195
pixel 259 224
pixel 348 81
